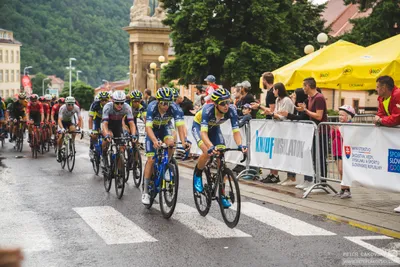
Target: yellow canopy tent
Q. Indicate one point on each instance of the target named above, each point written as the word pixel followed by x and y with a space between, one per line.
pixel 293 74
pixel 360 71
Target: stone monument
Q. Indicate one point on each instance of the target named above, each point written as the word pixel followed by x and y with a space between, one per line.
pixel 148 39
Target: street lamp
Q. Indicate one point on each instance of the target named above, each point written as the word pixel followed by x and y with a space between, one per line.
pixel 153 66
pixel 322 38
pixel 30 67
pixel 43 84
pixel 308 49
pixel 77 74
pixel 70 74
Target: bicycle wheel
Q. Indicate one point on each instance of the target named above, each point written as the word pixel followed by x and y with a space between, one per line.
pixel 152 192
pixel 20 140
pixel 96 162
pixel 129 164
pixel 137 167
pixel 107 178
pixel 42 142
pixel 203 200
pixel 229 189
pixel 70 155
pixel 169 191
pixel 119 166
pixel 63 152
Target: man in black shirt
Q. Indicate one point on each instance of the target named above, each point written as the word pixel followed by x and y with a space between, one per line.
pixel 148 97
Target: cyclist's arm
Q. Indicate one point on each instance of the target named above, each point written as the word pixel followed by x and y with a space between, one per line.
pixel 60 122
pixel 132 127
pixel 52 114
pixel 105 118
pixel 79 121
pixel 90 122
pixel 41 113
pixel 180 123
pixel 105 127
pixel 28 111
pixel 235 125
pixel 204 128
pixel 129 117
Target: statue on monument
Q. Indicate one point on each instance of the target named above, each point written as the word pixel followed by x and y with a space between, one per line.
pixel 145 10
pixel 151 80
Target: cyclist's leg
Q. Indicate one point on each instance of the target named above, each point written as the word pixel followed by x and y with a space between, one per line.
pixel 94 137
pixel 201 163
pixel 169 137
pixel 148 168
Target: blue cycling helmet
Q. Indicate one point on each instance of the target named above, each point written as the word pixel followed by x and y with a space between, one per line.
pixel 175 93
pixel 164 94
pixel 220 94
pixel 210 78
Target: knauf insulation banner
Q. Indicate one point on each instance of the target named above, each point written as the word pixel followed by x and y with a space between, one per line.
pixel 284 146
pixel 371 156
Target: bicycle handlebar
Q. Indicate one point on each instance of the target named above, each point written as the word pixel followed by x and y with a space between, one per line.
pixel 223 150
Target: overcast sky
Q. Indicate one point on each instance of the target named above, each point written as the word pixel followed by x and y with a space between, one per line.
pixel 319 1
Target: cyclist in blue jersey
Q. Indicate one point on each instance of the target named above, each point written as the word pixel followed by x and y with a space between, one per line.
pixel 139 108
pixel 207 132
pixel 158 127
pixel 96 115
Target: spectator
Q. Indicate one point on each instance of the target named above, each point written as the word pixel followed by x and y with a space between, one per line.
pixel 148 98
pixel 282 103
pixel 246 98
pixel 210 79
pixel 197 97
pixel 317 111
pixel 237 95
pixel 270 99
pixel 246 110
pixel 389 96
pixel 346 114
pixel 186 105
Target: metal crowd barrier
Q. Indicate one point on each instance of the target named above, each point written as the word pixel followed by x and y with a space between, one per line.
pixel 359 118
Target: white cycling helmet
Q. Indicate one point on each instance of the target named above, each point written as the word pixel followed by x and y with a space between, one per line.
pixel 48 97
pixel 70 100
pixel 118 96
pixel 349 110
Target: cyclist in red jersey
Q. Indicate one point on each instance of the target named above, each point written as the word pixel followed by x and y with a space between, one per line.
pixel 46 108
pixel 54 112
pixel 34 113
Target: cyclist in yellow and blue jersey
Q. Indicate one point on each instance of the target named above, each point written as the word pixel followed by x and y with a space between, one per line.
pixel 138 106
pixel 96 115
pixel 158 127
pixel 207 132
pixel 3 109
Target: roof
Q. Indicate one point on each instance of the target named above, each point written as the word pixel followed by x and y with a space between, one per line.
pixel 8 41
pixel 55 79
pixel 338 16
pixel 5 30
pixel 116 85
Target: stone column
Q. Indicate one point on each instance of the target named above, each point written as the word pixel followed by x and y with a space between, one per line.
pixel 140 82
pixel 131 67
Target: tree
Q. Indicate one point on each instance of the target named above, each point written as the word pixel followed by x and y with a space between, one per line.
pixel 37 83
pixel 82 92
pixel 380 25
pixel 237 40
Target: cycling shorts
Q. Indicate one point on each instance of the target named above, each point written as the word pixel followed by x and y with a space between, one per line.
pixel 36 118
pixel 161 133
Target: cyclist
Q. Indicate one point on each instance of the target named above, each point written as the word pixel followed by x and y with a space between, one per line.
pixel 65 115
pixel 95 116
pixel 54 114
pixel 207 132
pixel 46 108
pixel 16 111
pixel 138 107
pixel 113 113
pixel 158 127
pixel 34 114
pixel 2 118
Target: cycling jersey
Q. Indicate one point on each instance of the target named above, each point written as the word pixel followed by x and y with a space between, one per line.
pixel 54 111
pixel 114 117
pixel 17 109
pixel 139 112
pixel 206 117
pixel 155 120
pixel 34 109
pixel 2 109
pixel 46 109
pixel 96 112
pixel 66 115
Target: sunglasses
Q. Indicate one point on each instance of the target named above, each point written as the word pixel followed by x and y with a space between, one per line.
pixel 119 103
pixel 136 101
pixel 103 100
pixel 223 103
pixel 165 103
pixel 70 105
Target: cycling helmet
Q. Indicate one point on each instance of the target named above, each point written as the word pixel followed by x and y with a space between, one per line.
pixel 61 100
pixel 53 97
pixel 70 100
pixel 136 95
pixel 219 95
pixel 175 93
pixel 48 97
pixel 34 97
pixel 118 96
pixel 164 94
pixel 349 110
pixel 103 96
pixel 210 78
pixel 22 96
pixel 41 99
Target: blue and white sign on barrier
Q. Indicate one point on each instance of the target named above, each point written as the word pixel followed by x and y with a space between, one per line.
pixel 281 145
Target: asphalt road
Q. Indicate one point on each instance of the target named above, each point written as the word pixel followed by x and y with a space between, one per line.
pixel 67 219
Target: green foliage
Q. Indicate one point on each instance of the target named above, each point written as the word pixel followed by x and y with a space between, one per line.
pixel 378 26
pixel 126 90
pixel 37 83
pixel 237 40
pixel 82 92
pixel 8 101
pixel 332 112
pixel 52 31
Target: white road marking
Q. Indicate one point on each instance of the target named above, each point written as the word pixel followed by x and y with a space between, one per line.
pixel 112 226
pixel 23 229
pixel 281 221
pixel 207 227
pixel 391 255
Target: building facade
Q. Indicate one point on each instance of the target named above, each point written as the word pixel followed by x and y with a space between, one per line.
pixel 10 69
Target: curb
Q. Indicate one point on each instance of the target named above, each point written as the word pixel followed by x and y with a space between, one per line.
pixel 364 226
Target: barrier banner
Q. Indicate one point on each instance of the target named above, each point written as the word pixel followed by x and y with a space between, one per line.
pixel 371 156
pixel 281 145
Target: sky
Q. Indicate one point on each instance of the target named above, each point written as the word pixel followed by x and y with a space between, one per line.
pixel 318 1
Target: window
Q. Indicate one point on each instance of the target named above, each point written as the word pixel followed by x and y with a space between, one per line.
pixel 342 102
pixel 17 75
pixel 356 104
pixel 1 77
pixel 12 76
pixel 1 55
pixel 6 59
pixel 17 56
pixel 12 56
pixel 7 93
pixel 6 77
